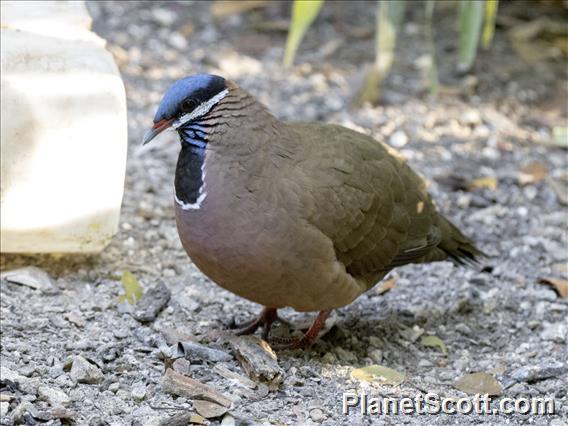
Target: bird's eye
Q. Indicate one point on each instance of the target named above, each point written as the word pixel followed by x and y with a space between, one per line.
pixel 188 105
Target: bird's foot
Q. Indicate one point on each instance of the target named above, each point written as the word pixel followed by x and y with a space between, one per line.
pixel 307 340
pixel 265 320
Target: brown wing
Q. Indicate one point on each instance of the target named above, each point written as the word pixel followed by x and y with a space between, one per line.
pixel 372 206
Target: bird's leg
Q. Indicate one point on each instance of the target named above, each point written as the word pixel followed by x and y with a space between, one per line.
pixel 265 319
pixel 308 338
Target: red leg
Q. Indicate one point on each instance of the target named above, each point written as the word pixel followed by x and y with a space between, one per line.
pixel 265 319
pixel 307 339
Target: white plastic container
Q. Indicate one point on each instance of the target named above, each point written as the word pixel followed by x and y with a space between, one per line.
pixel 64 131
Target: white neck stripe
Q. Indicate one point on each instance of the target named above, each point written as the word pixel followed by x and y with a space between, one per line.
pixel 200 110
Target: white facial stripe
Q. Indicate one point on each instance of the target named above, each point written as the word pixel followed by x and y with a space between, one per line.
pixel 200 110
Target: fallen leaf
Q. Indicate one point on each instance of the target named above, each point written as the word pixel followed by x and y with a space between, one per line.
pixel 132 288
pixel 488 182
pixel 388 285
pixel 222 9
pixel 559 285
pixel 532 172
pixel 378 374
pixel 479 383
pixel 434 342
pixel 208 409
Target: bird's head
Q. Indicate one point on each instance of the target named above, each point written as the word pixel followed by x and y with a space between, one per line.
pixel 185 101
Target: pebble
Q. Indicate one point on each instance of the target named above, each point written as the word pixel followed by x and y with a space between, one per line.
pixel 317 415
pixel 345 355
pixel 152 302
pixel 555 332
pixel 85 372
pixel 192 351
pixel 376 355
pixel 398 139
pixel 544 370
pixel 54 396
pixel 138 391
pixel 114 387
pixel 4 408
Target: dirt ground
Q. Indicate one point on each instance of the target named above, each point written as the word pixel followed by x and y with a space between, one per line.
pixel 74 353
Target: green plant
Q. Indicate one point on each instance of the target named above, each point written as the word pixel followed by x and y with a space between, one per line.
pixel 476 18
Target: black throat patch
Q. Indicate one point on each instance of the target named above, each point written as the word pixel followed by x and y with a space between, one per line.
pixel 189 173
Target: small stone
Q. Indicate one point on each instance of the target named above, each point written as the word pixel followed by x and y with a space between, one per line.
pixel 164 16
pixel 376 355
pixel 19 414
pixel 192 350
pixel 4 408
pixel 177 40
pixel 138 391
pixel 114 387
pixel 470 117
pixel 152 302
pixel 208 409
pixel 398 139
pixel 75 318
pixel 85 372
pixel 375 342
pixel 329 358
pixel 555 332
pixel 546 369
pixel 55 397
pixel 33 277
pixel 317 415
pixel 345 356
pixel 228 420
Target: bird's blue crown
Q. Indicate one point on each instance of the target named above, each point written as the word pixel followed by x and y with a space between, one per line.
pixel 195 89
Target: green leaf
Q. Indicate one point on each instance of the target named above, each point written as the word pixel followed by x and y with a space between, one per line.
pixel 432 70
pixel 470 20
pixel 489 25
pixel 132 288
pixel 389 17
pixel 303 14
pixel 378 374
pixel 434 342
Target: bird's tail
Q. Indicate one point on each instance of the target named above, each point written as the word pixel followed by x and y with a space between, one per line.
pixel 456 245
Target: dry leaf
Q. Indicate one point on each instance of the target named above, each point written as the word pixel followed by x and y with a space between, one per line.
pixel 378 374
pixel 483 182
pixel 479 383
pixel 435 342
pixel 223 9
pixel 532 172
pixel 559 285
pixel 388 285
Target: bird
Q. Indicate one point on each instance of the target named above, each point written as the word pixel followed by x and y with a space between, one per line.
pixel 293 214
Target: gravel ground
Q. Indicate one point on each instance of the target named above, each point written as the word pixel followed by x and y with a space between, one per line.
pixel 72 352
